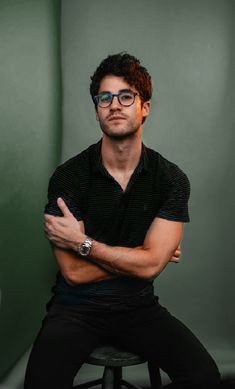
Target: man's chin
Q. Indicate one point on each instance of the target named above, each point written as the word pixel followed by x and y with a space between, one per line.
pixel 119 136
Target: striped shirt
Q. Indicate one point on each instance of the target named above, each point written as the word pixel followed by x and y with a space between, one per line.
pixel 157 188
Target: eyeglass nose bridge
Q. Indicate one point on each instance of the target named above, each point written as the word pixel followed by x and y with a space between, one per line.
pixel 117 95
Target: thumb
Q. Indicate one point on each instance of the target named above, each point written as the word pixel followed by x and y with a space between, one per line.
pixel 63 207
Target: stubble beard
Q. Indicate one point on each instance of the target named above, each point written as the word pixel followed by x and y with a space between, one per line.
pixel 119 134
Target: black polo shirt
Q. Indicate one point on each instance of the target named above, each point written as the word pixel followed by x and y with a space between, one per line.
pixel 157 188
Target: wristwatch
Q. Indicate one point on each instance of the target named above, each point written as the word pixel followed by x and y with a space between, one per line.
pixel 85 248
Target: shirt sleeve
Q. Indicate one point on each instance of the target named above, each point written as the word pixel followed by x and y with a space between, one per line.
pixel 175 194
pixel 61 185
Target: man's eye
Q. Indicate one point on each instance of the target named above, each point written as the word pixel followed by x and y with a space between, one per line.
pixel 105 98
pixel 126 97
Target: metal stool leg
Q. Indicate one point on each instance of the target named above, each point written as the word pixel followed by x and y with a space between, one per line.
pixel 154 375
pixel 129 385
pixel 88 384
pixel 112 378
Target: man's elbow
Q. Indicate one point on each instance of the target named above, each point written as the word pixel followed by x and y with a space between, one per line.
pixel 71 277
pixel 149 273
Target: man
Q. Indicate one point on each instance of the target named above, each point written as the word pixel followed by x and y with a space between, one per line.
pixel 115 217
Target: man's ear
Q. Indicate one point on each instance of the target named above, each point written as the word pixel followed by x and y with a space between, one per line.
pixel 96 115
pixel 146 108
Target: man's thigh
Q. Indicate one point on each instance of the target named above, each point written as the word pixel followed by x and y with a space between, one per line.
pixel 62 345
pixel 161 338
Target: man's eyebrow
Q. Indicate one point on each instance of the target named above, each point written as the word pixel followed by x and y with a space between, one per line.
pixel 125 90
pixel 120 91
pixel 104 91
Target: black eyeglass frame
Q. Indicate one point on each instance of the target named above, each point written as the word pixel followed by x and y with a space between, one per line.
pixel 96 98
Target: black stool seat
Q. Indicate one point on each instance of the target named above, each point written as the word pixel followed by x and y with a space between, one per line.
pixel 113 360
pixel 112 356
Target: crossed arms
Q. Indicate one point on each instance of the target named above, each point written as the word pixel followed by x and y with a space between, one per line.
pixel 161 245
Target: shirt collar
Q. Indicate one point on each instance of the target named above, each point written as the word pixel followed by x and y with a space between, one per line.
pixel 97 164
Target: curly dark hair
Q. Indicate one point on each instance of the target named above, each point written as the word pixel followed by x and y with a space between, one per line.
pixel 126 66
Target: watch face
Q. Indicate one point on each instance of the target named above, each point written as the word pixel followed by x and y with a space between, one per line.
pixel 85 247
pixel 84 250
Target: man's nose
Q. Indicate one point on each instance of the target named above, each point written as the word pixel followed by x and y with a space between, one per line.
pixel 115 103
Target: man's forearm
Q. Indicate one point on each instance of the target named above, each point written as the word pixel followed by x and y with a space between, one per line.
pixel 136 262
pixel 161 241
pixel 77 270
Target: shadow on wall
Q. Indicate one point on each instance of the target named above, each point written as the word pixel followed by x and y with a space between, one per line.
pixel 30 103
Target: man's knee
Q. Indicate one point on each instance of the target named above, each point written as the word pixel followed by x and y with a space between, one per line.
pixel 205 377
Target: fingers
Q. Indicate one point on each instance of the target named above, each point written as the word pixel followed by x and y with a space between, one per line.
pixel 174 259
pixel 50 222
pixel 63 207
pixel 177 252
pixel 46 225
pixel 176 256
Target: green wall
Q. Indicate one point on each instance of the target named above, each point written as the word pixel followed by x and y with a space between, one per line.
pixel 30 125
pixel 188 47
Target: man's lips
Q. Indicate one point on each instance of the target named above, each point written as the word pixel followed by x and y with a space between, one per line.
pixel 116 118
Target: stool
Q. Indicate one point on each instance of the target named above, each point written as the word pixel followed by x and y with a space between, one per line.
pixel 113 361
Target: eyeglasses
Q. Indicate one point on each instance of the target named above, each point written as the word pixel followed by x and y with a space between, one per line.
pixel 105 99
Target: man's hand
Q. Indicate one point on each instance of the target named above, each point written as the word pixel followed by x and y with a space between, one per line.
pixel 65 232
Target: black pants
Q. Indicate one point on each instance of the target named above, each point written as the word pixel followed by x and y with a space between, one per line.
pixel 69 333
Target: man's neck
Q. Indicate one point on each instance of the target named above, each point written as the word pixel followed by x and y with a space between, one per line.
pixel 121 155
